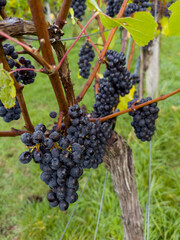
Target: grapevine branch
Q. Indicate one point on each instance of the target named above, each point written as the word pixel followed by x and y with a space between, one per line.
pixel 61 19
pixel 60 50
pixel 13 133
pixel 98 63
pixel 20 98
pixel 101 27
pixel 40 24
pixel 136 107
pixel 64 72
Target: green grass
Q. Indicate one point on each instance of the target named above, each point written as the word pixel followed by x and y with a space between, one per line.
pixel 22 219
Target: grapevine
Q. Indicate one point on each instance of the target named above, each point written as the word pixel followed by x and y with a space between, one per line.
pixel 78 139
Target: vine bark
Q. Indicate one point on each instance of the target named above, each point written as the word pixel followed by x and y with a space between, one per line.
pixel 119 161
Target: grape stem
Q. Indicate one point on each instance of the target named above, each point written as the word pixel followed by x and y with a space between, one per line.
pixel 88 38
pixel 101 56
pixel 162 97
pixel 61 115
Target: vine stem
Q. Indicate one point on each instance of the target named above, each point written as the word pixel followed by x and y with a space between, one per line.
pixel 101 27
pixel 25 69
pixel 88 38
pixel 65 55
pixel 40 25
pixel 13 133
pixel 61 19
pixel 28 49
pixel 135 107
pixel 59 121
pixel 131 55
pixel 101 56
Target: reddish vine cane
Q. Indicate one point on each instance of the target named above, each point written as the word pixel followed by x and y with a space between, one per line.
pixel 163 97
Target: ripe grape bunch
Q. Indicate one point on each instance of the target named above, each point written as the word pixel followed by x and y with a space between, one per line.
pixel 63 157
pixel 113 7
pixel 2 3
pixel 79 7
pixel 10 114
pixel 136 6
pixel 117 81
pixel 25 77
pixel 86 55
pixel 144 119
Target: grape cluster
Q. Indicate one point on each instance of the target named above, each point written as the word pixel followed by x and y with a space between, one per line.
pixel 144 119
pixel 57 162
pixel 2 3
pixel 86 55
pixel 106 99
pixel 117 73
pixel 79 7
pixel 160 9
pixel 11 55
pixel 92 136
pixel 117 81
pixel 136 6
pixel 113 7
pixel 63 157
pixel 10 114
pixel 25 77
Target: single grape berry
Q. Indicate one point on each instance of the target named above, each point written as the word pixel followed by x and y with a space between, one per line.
pixel 25 157
pixel 53 114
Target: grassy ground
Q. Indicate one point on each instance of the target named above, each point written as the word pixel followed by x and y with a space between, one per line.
pixel 24 210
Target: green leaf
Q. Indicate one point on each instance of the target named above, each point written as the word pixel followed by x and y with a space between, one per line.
pixel 141 26
pixel 174 20
pixel 93 5
pixel 7 88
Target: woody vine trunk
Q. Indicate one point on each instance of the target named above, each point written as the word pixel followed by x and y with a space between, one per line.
pixel 119 162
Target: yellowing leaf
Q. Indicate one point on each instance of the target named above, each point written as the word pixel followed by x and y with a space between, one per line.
pixel 165 26
pixel 71 11
pixel 123 101
pixel 7 88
